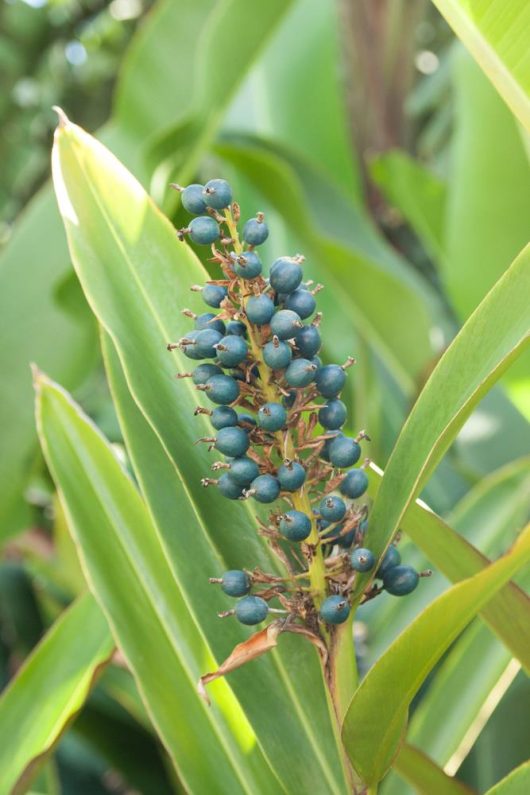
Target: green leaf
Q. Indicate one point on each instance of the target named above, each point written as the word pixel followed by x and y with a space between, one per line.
pixel 492 338
pixel 372 743
pixel 128 572
pixel 212 552
pixel 516 783
pixel 49 690
pixel 426 777
pixel 508 612
pixel 133 271
pixel 497 35
pixel 416 192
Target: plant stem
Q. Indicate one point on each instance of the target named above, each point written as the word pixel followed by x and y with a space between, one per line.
pixel 284 442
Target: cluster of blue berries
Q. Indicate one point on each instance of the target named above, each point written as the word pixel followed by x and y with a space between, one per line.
pixel 258 362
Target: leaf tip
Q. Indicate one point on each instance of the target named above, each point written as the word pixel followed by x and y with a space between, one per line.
pixel 64 121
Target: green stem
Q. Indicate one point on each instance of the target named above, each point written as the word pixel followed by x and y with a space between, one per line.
pixel 284 443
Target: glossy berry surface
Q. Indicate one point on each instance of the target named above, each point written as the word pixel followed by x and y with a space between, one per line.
pixel 344 452
pixel 285 324
pixel 247 265
pixel 209 320
pixel 332 508
pixel 217 193
pixel 251 610
pixel 259 309
pixel 222 389
pixel 277 355
pixel 400 580
pixel 308 341
pixel 265 488
pixel 231 350
pixel 233 442
pixel 354 484
pixel 285 275
pixel 362 559
pixel 272 416
pixel 204 230
pixel 223 417
pixel 302 302
pixel 243 470
pixel 300 372
pixel 295 526
pixel 213 294
pixel 205 371
pixel 391 558
pixel 192 199
pixel 236 327
pixel 330 379
pixel 255 232
pixel 229 488
pixel 235 582
pixel 291 476
pixel 205 341
pixel 333 415
pixel 335 610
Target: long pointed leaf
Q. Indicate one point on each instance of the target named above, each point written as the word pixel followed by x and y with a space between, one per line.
pixel 371 742
pixel 516 783
pixel 129 574
pixel 492 338
pixel 426 777
pixel 49 690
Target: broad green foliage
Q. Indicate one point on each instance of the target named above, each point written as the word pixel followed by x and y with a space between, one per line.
pixel 516 783
pixel 494 32
pixel 373 743
pixel 49 690
pixel 426 777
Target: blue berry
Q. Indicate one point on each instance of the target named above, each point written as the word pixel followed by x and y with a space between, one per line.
pixel 259 309
pixel 324 453
pixel 204 230
pixel 236 327
pixel 247 265
pixel 277 355
pixel 285 275
pixel 295 525
pixel 288 400
pixel 255 232
pixel 285 324
pixel 222 389
pixel 243 470
pixel 300 372
pixel 308 341
pixel 192 199
pixel 205 341
pixel 332 508
pixel 363 527
pixel 235 582
pixel 347 539
pixel 330 379
pixel 213 294
pixel 391 558
pixel 272 416
pixel 229 488
pixel 188 345
pixel 223 417
pixel 251 610
pixel 333 415
pixel 302 302
pixel 362 559
pixel 265 488
pixel 217 193
pixel 400 580
pixel 209 320
pixel 246 420
pixel 231 350
pixel 354 484
pixel 233 442
pixel 334 610
pixel 343 452
pixel 291 476
pixel 205 371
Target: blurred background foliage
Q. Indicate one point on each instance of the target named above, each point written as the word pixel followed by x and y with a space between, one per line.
pixel 377 147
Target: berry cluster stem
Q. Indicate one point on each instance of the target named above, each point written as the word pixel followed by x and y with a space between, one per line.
pixel 284 442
